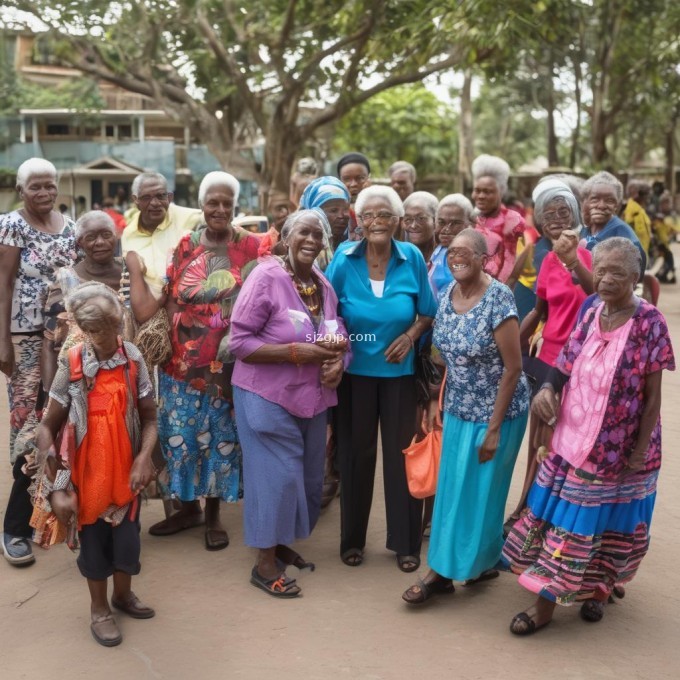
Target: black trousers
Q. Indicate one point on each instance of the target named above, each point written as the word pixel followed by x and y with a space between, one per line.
pixel 19 507
pixel 363 404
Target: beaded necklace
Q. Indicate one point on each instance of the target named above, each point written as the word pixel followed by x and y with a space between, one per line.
pixel 306 291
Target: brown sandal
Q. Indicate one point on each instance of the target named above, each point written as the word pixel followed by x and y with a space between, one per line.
pixel 425 590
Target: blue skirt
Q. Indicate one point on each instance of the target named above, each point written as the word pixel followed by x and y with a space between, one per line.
pixel 467 521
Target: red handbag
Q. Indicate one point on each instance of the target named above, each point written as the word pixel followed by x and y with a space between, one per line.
pixel 422 458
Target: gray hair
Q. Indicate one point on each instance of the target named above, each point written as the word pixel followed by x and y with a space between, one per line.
pixel 84 302
pixel 494 167
pixel 147 177
pixel 459 201
pixel 426 198
pixel 603 177
pixel 34 166
pixel 386 193
pixel 403 166
pixel 629 253
pixel 638 185
pixel 307 166
pixel 477 238
pixel 294 218
pixel 218 179
pixel 91 216
pixel 563 195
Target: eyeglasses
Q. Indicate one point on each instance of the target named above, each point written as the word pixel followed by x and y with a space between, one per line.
pixel 461 252
pixel 422 220
pixel 559 214
pixel 367 218
pixel 149 198
pixel 450 225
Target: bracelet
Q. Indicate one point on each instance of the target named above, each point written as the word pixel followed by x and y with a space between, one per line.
pixel 294 358
pixel 410 339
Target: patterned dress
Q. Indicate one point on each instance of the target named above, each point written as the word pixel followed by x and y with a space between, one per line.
pixel 196 424
pixel 587 528
pixel 501 232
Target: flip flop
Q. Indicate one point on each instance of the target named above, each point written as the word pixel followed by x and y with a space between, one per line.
pixel 487 575
pixel 440 586
pixel 173 525
pixel 531 626
pixel 282 586
pixel 216 539
pixel 352 557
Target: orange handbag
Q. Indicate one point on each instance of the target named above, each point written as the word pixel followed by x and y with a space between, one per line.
pixel 422 458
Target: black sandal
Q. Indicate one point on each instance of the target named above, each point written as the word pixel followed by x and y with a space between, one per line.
pixel 352 557
pixel 487 575
pixel 408 563
pixel 440 586
pixel 592 611
pixel 281 586
pixel 529 627
pixel 289 557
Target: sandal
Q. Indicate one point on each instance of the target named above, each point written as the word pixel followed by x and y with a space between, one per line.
pixel 523 624
pixel 352 557
pixel 216 539
pixel 408 563
pixel 105 631
pixel 487 575
pixel 288 557
pixel 281 586
pixel 422 591
pixel 592 611
pixel 176 523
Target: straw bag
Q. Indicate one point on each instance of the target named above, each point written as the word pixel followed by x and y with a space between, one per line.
pixel 422 458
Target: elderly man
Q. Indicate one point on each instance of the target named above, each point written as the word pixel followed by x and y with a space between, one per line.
pixel 402 178
pixel 635 214
pixel 154 231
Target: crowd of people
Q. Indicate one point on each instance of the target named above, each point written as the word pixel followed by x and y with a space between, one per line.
pixel 225 365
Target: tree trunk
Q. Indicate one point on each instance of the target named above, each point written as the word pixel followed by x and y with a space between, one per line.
pixel 553 155
pixel 575 138
pixel 282 146
pixel 465 135
pixel 669 170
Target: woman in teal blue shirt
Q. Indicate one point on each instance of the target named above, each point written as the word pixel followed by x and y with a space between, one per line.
pixel 387 304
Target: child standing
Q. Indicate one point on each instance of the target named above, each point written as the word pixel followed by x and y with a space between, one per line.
pixel 102 388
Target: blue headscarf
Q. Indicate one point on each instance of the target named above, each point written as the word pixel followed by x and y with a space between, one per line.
pixel 322 190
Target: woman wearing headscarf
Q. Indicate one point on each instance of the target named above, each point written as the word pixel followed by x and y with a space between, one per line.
pixel 500 226
pixel 34 242
pixel 330 195
pixel 290 344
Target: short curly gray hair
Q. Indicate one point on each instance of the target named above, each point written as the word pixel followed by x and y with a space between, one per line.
pixel 91 216
pixel 34 166
pixel 475 237
pixel 147 177
pixel 625 248
pixel 94 305
pixel 218 178
pixel 403 166
pixel 602 177
pixel 426 198
pixel 459 201
pixel 294 219
pixel 386 193
pixel 494 167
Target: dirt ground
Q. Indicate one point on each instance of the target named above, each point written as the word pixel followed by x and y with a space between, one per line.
pixel 351 622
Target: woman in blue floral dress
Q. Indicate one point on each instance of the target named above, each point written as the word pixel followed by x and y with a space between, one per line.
pixel 486 403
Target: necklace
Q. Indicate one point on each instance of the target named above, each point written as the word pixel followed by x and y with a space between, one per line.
pixel 608 315
pixel 307 290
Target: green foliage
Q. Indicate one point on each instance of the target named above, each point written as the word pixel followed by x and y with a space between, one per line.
pixel 404 123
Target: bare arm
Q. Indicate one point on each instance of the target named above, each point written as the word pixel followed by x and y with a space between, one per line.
pixel 48 363
pixel 142 471
pixel 520 263
pixel 9 265
pixel 294 353
pixel 650 416
pixel 530 323
pixel 507 339
pixel 404 343
pixel 144 304
pixel 54 417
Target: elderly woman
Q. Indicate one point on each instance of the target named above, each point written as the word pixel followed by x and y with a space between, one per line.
pixel 603 194
pixel 354 172
pixel 564 281
pixel 500 226
pixel 485 413
pixel 329 195
pixel 590 507
pixel 289 343
pixel 195 423
pixel 454 213
pixel 386 301
pixel 95 234
pixel 34 242
pixel 420 210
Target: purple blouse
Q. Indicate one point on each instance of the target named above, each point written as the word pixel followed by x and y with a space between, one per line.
pixel 270 311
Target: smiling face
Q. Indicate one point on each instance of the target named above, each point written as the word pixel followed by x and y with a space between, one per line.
pixel 98 239
pixel 355 177
pixel 556 218
pixel 305 242
pixel 402 183
pixel 378 220
pixel 486 195
pixel 602 204
pixel 39 193
pixel 337 212
pixel 450 222
pixel 153 201
pixel 218 208
pixel 465 263
pixel 612 280
pixel 418 223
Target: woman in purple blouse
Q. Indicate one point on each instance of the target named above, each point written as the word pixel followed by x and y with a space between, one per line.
pixel 290 347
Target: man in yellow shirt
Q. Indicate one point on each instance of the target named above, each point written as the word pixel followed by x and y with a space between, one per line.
pixel 635 214
pixel 155 230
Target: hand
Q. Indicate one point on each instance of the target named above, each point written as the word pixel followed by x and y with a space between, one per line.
pixel 134 263
pixel 565 246
pixel 430 415
pixel 7 363
pixel 543 437
pixel 331 373
pixel 142 473
pixel 398 350
pixel 635 463
pixel 488 448
pixel 308 353
pixel 334 342
pixel 64 505
pixel 546 406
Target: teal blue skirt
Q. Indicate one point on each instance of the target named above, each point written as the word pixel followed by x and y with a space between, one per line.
pixel 467 521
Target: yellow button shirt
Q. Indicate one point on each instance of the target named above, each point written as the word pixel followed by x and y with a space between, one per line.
pixel 638 219
pixel 156 248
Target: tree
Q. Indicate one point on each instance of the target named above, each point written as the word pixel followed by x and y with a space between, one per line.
pixel 282 68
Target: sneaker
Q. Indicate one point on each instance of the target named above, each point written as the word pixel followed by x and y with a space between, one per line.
pixel 17 550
